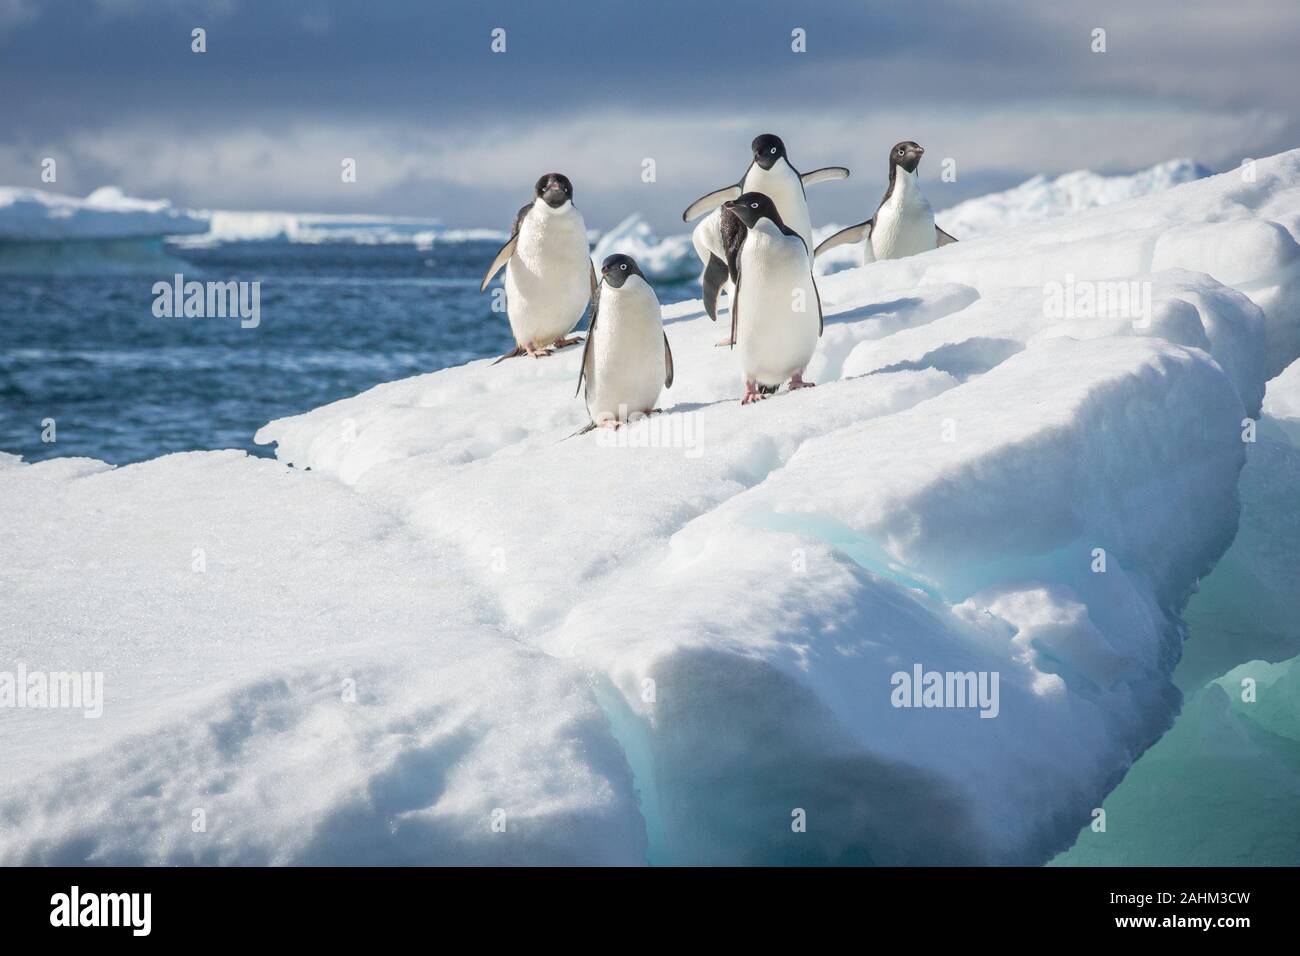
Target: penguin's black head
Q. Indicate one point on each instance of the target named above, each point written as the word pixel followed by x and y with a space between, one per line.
pixel 751 207
pixel 617 268
pixel 555 189
pixel 906 154
pixel 767 148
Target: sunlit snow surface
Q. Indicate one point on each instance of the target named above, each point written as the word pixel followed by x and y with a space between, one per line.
pixel 673 653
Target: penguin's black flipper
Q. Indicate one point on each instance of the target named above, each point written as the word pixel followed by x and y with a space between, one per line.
pixel 505 252
pixel 735 304
pixel 591 334
pixel 715 277
pixel 941 237
pixel 668 363
pixel 855 233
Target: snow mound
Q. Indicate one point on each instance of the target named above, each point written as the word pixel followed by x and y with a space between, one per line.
pixel 1283 397
pixel 1041 198
pixel 683 642
pixel 662 260
pixel 301 699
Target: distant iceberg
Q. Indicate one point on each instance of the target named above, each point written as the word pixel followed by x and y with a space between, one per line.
pixel 108 231
pixel 314 228
pixel 663 260
pixel 29 215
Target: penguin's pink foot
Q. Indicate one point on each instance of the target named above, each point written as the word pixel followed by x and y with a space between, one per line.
pixel 724 343
pixel 565 343
pixel 752 394
pixel 535 352
pixel 798 382
pixel 608 423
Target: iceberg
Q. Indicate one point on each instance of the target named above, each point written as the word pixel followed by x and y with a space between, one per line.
pixel 453 617
pixel 662 260
pixel 31 215
pixel 313 228
pixel 49 233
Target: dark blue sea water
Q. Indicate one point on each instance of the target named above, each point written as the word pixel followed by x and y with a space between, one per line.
pixel 123 385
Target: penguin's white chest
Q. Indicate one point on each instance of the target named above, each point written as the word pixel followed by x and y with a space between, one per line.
pixel 548 279
pixel 783 186
pixel 626 365
pixel 904 224
pixel 777 324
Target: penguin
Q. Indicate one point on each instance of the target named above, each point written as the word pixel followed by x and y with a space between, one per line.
pixel 717 232
pixel 769 173
pixel 776 314
pixel 626 360
pixel 904 222
pixel 549 274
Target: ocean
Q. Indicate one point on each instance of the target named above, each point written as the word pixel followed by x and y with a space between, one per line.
pixel 336 318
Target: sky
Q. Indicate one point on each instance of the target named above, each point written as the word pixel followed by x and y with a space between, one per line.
pixel 441 126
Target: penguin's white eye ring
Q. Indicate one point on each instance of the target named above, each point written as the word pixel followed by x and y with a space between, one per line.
pixel 772 150
pixel 623 266
pixel 753 205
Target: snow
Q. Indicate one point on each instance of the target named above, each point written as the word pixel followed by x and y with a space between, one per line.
pixel 1041 198
pixel 1283 397
pixel 226 687
pixel 675 642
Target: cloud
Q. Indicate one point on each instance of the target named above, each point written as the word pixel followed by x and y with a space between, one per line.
pixel 440 126
pixel 15 12
pixel 463 173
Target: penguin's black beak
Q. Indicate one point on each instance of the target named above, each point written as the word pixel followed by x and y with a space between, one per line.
pixel 553 195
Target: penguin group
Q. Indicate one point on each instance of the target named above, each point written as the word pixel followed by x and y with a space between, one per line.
pixel 755 242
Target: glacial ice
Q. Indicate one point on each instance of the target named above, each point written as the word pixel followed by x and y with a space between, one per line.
pixel 676 644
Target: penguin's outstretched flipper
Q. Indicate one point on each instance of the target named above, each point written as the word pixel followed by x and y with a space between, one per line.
pixel 826 174
pixel 711 201
pixel 845 236
pixel 505 252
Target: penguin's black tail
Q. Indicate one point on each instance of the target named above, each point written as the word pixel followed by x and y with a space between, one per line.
pixel 581 431
pixel 518 350
pixel 768 389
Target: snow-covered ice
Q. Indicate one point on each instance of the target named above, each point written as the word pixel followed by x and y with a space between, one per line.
pixel 326 689
pixel 1041 198
pixel 673 642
